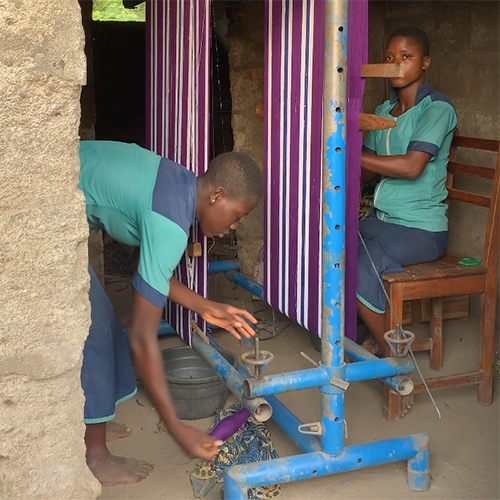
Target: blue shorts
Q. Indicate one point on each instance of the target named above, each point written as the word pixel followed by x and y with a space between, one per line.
pixel 392 247
pixel 107 376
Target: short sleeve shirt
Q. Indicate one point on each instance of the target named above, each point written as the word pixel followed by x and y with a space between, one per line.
pixel 140 199
pixel 428 126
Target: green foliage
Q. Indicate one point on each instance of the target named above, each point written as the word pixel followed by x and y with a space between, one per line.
pixel 113 10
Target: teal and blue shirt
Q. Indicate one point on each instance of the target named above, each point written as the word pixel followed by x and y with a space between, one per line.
pixel 140 199
pixel 428 126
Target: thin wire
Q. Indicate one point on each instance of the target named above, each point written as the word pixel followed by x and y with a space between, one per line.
pixel 399 329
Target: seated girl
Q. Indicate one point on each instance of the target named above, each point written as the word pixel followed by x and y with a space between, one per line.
pixel 409 223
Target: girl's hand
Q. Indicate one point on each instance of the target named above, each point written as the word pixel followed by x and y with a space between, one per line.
pixel 195 443
pixel 229 318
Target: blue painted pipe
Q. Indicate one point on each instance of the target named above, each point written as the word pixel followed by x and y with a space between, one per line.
pixel 233 380
pixel 316 377
pixel 401 384
pixel 283 382
pixel 378 368
pixel 288 422
pixel 246 283
pixel 413 448
pixel 164 329
pixel 333 205
pixel 223 265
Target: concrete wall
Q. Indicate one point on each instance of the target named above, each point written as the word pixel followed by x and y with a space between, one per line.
pixel 43 253
pixel 246 52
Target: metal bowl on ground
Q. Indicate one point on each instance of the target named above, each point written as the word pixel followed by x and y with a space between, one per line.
pixel 196 390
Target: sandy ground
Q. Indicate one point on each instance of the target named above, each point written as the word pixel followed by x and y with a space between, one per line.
pixel 464 442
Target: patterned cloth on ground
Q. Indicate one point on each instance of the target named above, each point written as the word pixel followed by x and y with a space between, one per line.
pixel 251 443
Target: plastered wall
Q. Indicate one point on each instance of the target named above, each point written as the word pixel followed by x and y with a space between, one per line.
pixel 44 306
pixel 246 53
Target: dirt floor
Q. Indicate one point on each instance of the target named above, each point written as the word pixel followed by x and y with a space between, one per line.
pixel 464 442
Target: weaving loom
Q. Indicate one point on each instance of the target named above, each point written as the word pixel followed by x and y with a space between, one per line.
pixel 312 167
pixel 178 39
pixel 178 91
pixel 293 157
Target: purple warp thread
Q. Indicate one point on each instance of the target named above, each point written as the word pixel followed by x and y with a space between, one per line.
pixel 178 35
pixel 357 54
pixel 293 138
pixel 293 86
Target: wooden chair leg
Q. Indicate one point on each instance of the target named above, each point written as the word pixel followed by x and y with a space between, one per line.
pixel 486 352
pixel 395 406
pixel 436 358
pixel 392 405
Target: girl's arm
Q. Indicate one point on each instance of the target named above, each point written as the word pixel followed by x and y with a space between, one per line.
pixel 408 166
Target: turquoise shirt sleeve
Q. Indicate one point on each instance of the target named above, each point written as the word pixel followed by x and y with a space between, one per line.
pixel 163 243
pixel 434 126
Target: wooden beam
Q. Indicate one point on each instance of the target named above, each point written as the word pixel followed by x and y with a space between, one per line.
pixel 194 249
pixel 461 168
pixel 422 345
pixel 382 70
pixel 476 199
pixel 374 122
pixel 471 378
pixel 474 143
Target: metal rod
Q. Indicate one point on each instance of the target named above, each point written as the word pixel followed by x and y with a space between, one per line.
pixel 246 283
pixel 333 218
pixel 413 448
pixel 260 408
pixel 223 265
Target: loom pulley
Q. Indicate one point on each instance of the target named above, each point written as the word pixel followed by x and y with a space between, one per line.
pixel 257 359
pixel 399 341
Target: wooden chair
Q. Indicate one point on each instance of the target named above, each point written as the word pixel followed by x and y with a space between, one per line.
pixel 445 277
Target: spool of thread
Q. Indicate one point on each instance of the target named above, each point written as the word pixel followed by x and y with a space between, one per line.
pixel 229 425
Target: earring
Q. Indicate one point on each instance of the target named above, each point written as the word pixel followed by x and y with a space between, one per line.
pixel 212 201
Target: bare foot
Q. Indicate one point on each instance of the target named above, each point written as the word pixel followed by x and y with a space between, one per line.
pixel 406 404
pixel 116 431
pixel 110 470
pixel 371 346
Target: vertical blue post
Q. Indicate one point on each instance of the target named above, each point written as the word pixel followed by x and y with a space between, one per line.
pixel 333 224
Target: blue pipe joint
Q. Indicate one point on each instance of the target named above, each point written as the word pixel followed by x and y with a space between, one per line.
pixel 234 381
pixel 402 384
pixel 419 468
pixel 288 422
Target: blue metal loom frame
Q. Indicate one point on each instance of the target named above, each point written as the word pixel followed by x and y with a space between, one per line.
pixel 324 453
